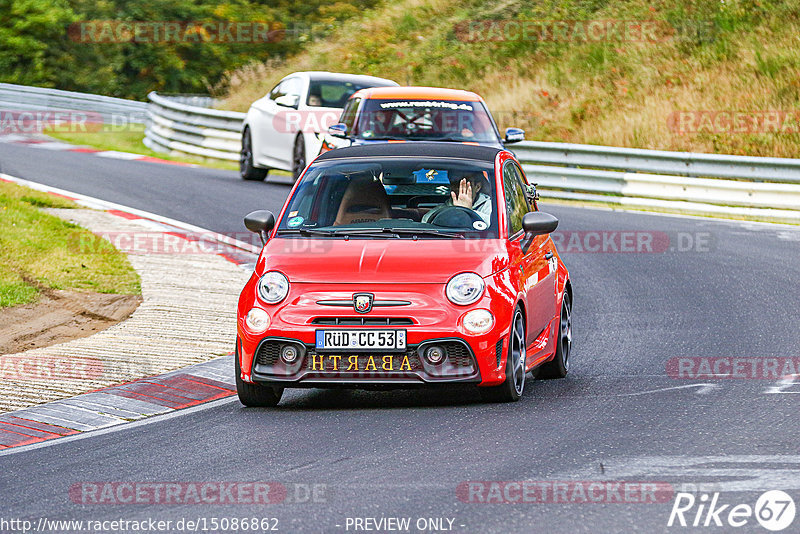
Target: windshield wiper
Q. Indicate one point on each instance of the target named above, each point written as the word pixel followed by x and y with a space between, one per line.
pixel 402 231
pixel 454 138
pixel 384 138
pixel 306 231
pixel 425 231
pixel 339 232
pixel 374 232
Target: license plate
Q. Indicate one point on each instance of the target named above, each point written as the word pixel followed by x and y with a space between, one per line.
pixel 361 339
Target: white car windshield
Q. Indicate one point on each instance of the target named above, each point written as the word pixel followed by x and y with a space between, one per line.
pixel 332 93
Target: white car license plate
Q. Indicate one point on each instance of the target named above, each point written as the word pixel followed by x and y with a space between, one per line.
pixel 361 339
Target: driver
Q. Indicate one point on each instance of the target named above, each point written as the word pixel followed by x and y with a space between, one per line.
pixel 314 100
pixel 467 193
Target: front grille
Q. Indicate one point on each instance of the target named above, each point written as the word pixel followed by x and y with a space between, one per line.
pixel 363 321
pixel 269 352
pixel 499 351
pixel 361 361
pixel 457 354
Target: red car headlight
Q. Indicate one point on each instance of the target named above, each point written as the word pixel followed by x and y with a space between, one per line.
pixel 273 287
pixel 477 321
pixel 257 320
pixel 465 288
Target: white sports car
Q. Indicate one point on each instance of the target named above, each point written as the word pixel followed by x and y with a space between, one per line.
pixel 280 130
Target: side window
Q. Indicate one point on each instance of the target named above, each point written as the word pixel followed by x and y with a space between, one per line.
pixel 349 114
pixel 524 184
pixel 516 201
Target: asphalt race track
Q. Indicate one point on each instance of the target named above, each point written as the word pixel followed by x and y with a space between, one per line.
pixel 710 289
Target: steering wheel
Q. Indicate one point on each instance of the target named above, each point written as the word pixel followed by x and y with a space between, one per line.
pixel 455 217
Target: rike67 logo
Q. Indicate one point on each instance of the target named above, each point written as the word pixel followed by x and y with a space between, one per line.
pixel 774 510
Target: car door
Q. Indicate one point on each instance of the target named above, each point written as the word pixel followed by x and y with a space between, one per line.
pixel 537 279
pixel 276 127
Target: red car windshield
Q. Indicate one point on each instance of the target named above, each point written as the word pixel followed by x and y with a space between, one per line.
pixel 394 197
pixel 425 120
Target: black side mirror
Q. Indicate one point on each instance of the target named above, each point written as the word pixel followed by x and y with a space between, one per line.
pixel 536 223
pixel 260 222
pixel 514 135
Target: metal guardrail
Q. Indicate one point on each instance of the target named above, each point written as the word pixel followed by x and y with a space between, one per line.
pixel 661 162
pixel 119 111
pixel 187 125
pixel 680 182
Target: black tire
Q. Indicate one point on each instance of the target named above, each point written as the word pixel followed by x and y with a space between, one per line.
pixel 298 157
pixel 558 367
pixel 255 395
pixel 512 388
pixel 246 168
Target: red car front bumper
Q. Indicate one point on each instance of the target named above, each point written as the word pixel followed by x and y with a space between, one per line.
pixel 426 316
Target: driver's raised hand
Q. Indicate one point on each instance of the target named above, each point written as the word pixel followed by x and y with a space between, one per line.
pixel 464 196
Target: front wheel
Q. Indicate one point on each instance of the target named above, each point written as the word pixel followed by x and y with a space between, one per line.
pixel 511 389
pixel 255 395
pixel 558 367
pixel 298 157
pixel 247 169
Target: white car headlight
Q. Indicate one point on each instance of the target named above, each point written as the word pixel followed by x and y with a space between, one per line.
pixel 465 288
pixel 257 320
pixel 273 287
pixel 478 321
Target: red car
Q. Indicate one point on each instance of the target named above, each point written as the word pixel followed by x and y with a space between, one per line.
pixel 401 265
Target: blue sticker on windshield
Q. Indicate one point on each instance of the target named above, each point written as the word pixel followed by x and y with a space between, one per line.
pixel 431 176
pixel 295 221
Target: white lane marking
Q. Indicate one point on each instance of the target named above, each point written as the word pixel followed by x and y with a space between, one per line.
pixel 789 236
pixel 704 388
pixel 783 384
pixel 92 202
pixel 741 472
pixel 54 145
pixel 13 138
pixel 118 155
pixel 117 428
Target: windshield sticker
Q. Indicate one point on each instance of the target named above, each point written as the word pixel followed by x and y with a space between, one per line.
pixel 292 213
pixel 480 225
pixel 431 176
pixel 295 222
pixel 425 104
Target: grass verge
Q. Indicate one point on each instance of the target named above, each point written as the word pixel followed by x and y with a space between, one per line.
pixel 37 250
pixel 705 62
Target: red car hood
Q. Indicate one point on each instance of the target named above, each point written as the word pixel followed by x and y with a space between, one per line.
pixel 393 261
